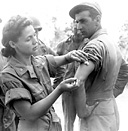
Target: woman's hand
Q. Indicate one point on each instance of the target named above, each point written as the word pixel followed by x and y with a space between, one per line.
pixel 69 84
pixel 77 55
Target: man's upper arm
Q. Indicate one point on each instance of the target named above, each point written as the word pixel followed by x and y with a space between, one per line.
pixel 79 94
pixel 83 71
pixel 94 50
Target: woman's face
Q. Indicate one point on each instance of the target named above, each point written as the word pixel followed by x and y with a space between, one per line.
pixel 27 43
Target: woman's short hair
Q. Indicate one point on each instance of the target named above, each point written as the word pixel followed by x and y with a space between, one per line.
pixel 12 31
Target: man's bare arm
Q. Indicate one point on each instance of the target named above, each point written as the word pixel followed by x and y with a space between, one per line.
pixel 79 94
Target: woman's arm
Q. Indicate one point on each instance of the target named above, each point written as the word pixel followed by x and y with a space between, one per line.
pixel 38 109
pixel 75 55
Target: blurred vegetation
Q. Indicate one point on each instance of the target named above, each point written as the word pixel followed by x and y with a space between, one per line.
pixel 123 40
pixel 60 34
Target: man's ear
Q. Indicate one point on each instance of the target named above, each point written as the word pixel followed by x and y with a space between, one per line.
pixel 12 44
pixel 98 18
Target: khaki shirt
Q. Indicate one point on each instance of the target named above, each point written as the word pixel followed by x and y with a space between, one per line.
pixel 19 82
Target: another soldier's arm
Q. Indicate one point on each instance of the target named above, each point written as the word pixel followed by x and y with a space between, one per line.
pixel 60 71
pixel 59 76
pixel 122 79
pixel 1 116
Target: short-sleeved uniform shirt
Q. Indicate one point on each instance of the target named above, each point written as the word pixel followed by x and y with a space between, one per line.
pixel 99 85
pixel 103 54
pixel 20 82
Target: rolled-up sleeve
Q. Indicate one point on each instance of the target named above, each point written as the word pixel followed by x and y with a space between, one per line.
pixel 14 90
pixel 17 93
pixel 94 51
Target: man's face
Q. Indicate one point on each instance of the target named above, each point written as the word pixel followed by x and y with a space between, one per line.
pixel 78 36
pixel 27 42
pixel 85 24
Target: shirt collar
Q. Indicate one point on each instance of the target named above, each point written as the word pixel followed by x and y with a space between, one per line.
pixel 99 32
pixel 20 68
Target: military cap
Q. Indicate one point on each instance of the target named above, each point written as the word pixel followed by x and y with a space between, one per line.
pixel 82 6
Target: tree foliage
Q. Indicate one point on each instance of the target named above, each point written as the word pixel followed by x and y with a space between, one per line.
pixel 123 40
pixel 60 34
